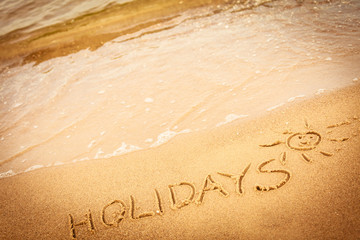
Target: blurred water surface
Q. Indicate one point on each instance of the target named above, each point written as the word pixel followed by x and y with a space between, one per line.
pixel 83 80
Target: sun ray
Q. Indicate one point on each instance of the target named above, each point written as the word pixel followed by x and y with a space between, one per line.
pixel 326 154
pixel 346 122
pixel 306 158
pixel 343 139
pixel 306 123
pixel 272 144
pixel 283 158
pixel 287 131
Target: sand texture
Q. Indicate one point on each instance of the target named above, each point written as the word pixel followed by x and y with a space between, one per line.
pixel 291 174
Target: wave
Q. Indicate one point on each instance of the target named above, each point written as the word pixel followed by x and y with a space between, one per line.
pixel 169 69
pixel 76 25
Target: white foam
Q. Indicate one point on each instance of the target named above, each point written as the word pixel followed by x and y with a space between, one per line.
pixel 202 110
pixel 80 160
pixel 149 100
pixel 124 148
pixel 166 136
pixel 33 168
pixel 99 153
pixel 355 79
pixel 91 143
pixel 7 174
pixel 17 105
pixel 163 124
pixel 293 98
pixel 231 117
pixel 274 107
pixel 320 91
pixel 109 155
pixel 58 163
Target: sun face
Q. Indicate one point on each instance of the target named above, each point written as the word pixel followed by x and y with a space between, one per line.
pixel 304 143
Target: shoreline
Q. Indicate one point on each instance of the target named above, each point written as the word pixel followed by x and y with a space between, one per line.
pixel 132 148
pixel 196 195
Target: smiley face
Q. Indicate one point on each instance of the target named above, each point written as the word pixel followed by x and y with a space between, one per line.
pixel 303 141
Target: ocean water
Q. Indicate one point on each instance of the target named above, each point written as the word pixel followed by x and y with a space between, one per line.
pixel 98 79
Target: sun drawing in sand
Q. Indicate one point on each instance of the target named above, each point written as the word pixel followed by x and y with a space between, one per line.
pixel 305 142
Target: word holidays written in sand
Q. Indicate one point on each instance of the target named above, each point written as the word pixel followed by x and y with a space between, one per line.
pixel 305 143
pixel 117 211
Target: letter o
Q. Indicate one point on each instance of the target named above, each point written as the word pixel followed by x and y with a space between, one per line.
pixel 118 216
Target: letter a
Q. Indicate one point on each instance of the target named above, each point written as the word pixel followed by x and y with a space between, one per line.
pixel 210 185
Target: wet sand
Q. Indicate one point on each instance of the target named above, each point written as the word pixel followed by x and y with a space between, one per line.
pixel 217 184
pixel 93 29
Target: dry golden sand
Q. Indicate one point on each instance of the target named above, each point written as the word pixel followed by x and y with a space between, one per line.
pixel 320 200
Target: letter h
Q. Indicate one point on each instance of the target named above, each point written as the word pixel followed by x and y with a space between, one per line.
pixel 87 221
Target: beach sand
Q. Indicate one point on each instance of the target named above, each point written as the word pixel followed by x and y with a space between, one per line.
pixel 217 184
